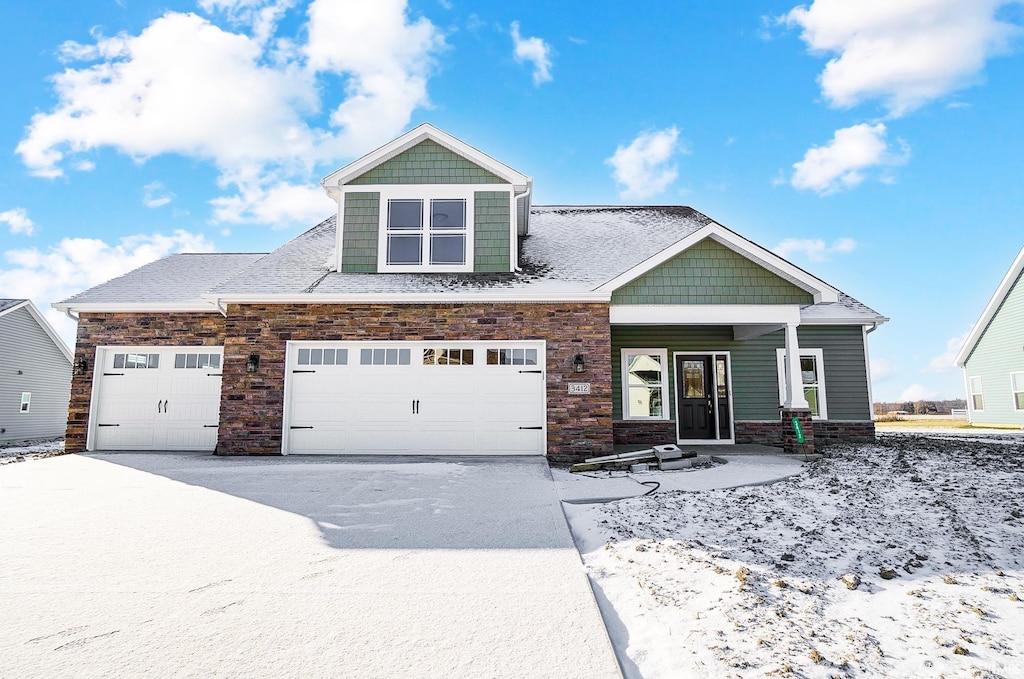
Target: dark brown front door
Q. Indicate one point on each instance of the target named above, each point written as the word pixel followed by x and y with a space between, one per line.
pixel 695 384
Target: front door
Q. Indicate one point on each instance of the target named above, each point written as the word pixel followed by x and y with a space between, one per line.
pixel 695 389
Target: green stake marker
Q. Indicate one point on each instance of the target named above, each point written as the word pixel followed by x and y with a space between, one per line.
pixel 798 430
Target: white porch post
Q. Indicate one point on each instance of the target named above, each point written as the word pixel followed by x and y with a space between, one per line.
pixel 795 398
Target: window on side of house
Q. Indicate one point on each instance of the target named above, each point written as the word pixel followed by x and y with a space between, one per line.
pixel 977 395
pixel 1017 389
pixel 426 232
pixel 812 374
pixel 644 384
pixel 26 401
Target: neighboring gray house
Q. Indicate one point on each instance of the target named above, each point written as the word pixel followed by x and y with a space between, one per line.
pixel 35 374
pixel 992 358
pixel 440 312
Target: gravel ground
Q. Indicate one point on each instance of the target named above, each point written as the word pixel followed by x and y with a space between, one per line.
pixel 19 451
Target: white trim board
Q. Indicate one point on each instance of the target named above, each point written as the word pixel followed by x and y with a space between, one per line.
pixel 821 291
pixel 704 314
pixel 412 138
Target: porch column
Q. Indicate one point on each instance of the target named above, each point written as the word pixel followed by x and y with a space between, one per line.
pixel 795 399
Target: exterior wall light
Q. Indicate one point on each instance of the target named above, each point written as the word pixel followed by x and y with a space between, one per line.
pixel 80 367
pixel 578 364
pixel 252 364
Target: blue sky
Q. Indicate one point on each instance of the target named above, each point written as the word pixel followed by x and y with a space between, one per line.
pixel 879 147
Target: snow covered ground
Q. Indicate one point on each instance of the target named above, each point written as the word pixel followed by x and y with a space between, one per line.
pixel 20 451
pixel 900 559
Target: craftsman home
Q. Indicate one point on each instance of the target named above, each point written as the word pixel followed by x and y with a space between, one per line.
pixel 440 312
pixel 35 374
pixel 992 357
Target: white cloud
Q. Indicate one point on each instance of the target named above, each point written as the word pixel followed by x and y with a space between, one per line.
pixel 944 362
pixel 155 195
pixel 279 205
pixel 17 221
pixel 814 249
pixel 918 392
pixel 185 85
pixel 75 264
pixel 881 370
pixel 535 51
pixel 841 163
pixel 643 167
pixel 903 53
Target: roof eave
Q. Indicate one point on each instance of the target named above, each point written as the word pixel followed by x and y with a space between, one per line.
pixel 990 310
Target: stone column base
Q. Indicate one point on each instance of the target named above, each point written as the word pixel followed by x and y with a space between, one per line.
pixel 789 441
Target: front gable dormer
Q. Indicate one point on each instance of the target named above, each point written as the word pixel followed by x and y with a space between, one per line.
pixel 428 203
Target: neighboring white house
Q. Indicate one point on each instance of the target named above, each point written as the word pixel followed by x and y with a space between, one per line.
pixel 35 374
pixel 992 358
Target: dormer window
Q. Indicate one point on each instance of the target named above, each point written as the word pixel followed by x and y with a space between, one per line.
pixel 426 232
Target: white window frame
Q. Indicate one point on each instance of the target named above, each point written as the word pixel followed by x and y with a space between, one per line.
pixel 819 358
pixel 26 402
pixel 624 369
pixel 1014 390
pixel 426 193
pixel 980 393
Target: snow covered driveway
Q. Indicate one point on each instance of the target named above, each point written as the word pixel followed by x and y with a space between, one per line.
pixel 167 565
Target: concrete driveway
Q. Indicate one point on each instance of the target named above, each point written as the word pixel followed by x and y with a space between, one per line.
pixel 189 565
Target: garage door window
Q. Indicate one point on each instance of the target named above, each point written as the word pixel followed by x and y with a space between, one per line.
pixel 197 361
pixel 128 361
pixel 447 357
pixel 511 357
pixel 323 356
pixel 385 356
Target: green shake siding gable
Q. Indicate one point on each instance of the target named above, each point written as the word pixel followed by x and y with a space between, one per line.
pixel 359 246
pixel 710 273
pixel 999 352
pixel 427 163
pixel 492 223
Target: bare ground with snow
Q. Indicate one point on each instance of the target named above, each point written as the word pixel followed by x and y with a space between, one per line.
pixel 752 582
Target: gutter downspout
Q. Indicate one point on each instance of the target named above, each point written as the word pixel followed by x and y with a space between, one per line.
pixel 70 314
pixel 221 308
pixel 515 222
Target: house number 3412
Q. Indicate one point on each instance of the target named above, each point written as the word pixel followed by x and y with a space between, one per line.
pixel 579 387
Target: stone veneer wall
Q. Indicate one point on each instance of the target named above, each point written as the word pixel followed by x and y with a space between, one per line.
pixel 252 405
pixel 832 431
pixel 645 432
pixel 126 329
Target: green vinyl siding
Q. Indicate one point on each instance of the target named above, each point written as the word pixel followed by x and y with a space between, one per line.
pixel 998 353
pixel 710 273
pixel 755 380
pixel 427 163
pixel 492 222
pixel 359 246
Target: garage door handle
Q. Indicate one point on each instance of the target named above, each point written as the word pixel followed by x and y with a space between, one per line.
pixel 415 407
pixel 158 406
pixel 303 371
pixel 531 371
pixel 213 374
pixel 531 427
pixel 107 425
pixel 165 406
pixel 210 426
pixel 294 427
pixel 113 374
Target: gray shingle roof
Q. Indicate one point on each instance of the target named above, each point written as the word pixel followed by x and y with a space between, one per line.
pixel 6 304
pixel 570 249
pixel 177 279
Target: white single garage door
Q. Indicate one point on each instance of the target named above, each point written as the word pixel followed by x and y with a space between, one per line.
pixel 156 398
pixel 426 398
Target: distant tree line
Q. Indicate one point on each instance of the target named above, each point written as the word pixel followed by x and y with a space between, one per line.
pixel 921 407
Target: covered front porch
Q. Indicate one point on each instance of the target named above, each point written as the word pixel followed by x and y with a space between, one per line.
pixel 714 377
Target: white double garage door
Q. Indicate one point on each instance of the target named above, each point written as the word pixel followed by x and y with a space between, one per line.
pixel 426 398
